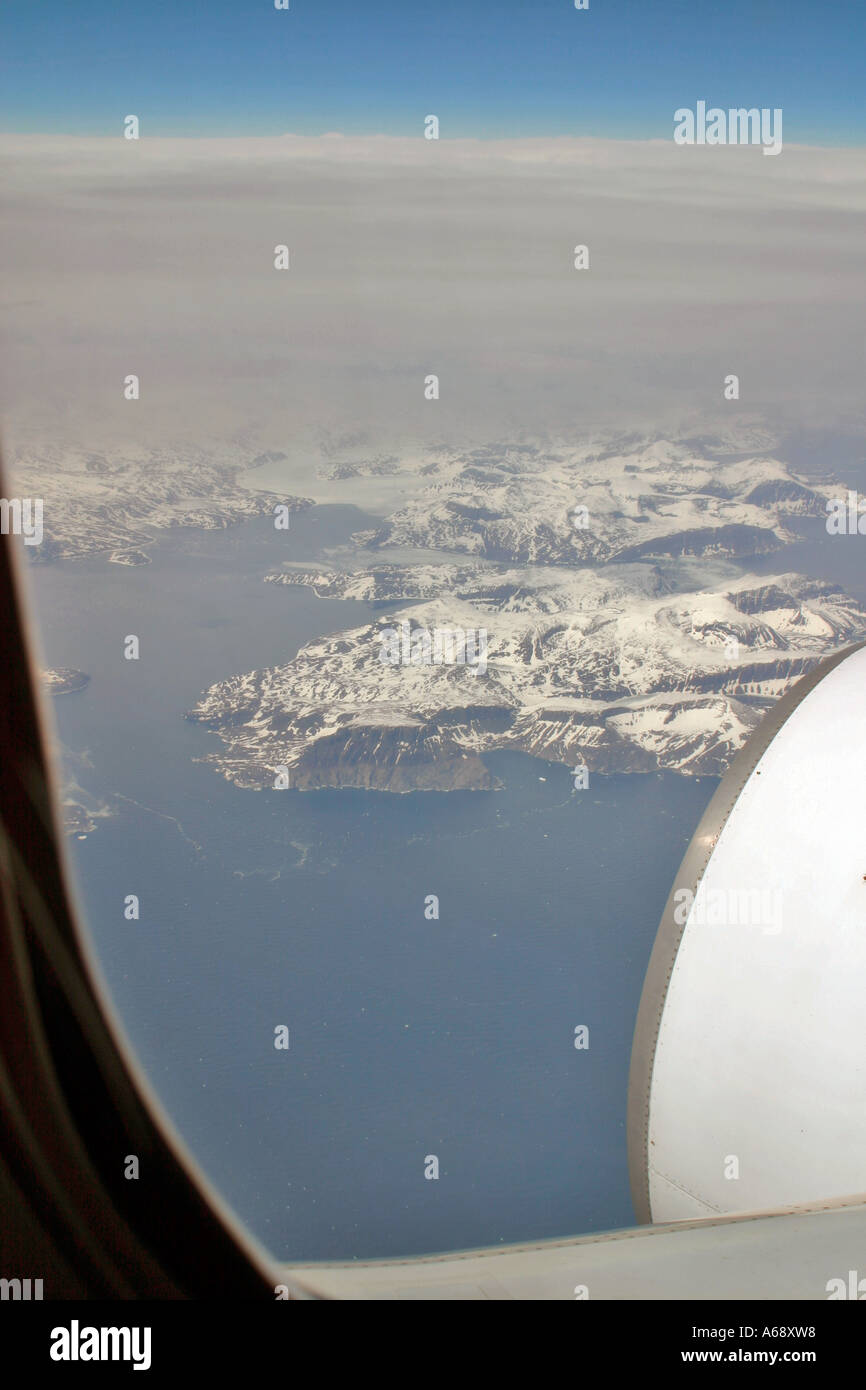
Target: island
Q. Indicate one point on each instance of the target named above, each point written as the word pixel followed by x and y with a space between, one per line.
pixel 64 680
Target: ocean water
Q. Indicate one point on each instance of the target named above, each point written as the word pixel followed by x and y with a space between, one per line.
pixel 409 1037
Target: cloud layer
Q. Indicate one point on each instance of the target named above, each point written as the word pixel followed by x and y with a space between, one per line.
pixel 411 257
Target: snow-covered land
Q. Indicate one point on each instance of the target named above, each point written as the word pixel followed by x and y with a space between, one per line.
pixel 576 505
pixel 619 633
pixel 601 647
pixel 113 504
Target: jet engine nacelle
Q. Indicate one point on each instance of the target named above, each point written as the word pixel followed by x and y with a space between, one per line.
pixel 748 1076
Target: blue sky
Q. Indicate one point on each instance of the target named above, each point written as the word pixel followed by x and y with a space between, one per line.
pixel 487 68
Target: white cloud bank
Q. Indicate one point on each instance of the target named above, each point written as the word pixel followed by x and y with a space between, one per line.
pixel 412 257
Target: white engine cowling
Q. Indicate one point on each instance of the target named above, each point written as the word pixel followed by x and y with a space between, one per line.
pixel 748 1075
